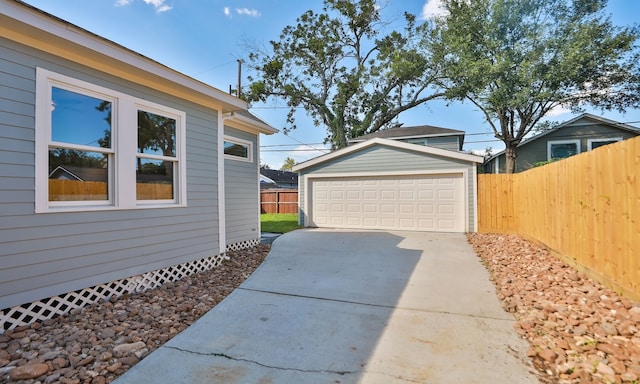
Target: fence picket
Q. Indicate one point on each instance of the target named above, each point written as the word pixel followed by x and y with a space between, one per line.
pixel 586 208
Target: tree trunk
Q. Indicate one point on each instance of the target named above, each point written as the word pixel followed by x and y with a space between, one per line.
pixel 510 157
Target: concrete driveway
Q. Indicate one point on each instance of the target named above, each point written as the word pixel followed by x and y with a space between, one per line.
pixel 340 306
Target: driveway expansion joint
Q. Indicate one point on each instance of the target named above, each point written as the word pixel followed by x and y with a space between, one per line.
pixel 223 355
pixel 473 316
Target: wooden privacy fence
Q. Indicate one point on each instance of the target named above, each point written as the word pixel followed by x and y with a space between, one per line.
pixel 279 201
pixel 74 190
pixel 585 209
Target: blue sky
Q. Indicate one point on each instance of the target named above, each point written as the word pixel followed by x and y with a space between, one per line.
pixel 204 38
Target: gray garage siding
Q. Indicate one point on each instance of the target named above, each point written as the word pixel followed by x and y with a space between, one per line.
pixel 47 254
pixel 388 159
pixel 242 198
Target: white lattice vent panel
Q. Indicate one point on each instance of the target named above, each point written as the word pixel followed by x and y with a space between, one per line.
pixel 243 245
pixel 51 307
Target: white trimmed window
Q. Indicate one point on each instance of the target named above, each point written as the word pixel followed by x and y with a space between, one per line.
pixel 595 143
pixel 561 149
pixel 97 148
pixel 238 149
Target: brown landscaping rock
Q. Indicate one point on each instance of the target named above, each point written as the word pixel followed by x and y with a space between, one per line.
pixel 79 347
pixel 580 331
pixel 29 371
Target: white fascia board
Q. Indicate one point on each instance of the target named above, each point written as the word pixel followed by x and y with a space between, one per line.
pixel 388 143
pixel 245 123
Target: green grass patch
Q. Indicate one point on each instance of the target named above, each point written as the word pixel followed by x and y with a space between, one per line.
pixel 279 222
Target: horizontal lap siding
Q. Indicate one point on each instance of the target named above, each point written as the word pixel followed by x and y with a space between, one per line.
pixel 47 254
pixel 242 199
pixel 387 159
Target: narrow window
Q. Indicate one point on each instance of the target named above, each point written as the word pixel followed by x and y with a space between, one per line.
pixel 238 149
pixel 156 159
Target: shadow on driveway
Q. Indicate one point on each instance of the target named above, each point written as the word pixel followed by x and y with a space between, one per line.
pixel 333 306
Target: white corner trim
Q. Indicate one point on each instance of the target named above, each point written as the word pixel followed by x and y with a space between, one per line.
pixel 222 223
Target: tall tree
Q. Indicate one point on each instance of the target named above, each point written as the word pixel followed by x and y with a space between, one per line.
pixel 288 164
pixel 518 59
pixel 342 72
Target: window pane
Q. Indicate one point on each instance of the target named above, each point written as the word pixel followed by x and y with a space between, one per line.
pixel 236 149
pixel 156 134
pixel 596 144
pixel 561 151
pixel 154 179
pixel 78 175
pixel 80 119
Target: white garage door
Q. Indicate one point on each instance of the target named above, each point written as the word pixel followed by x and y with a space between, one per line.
pixel 417 203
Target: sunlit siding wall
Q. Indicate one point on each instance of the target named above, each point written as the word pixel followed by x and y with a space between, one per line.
pixel 42 255
pixel 242 197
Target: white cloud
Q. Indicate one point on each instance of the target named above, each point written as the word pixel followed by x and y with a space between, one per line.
pixel 227 11
pixel 159 5
pixel 248 12
pixel 558 111
pixel 432 8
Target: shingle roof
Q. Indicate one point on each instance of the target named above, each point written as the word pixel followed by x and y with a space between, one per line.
pixel 280 177
pixel 409 132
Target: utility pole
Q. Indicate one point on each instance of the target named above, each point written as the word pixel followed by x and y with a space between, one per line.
pixel 239 77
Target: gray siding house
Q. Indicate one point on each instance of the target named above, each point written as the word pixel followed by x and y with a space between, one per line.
pixel 444 138
pixel 390 185
pixel 583 133
pixel 173 165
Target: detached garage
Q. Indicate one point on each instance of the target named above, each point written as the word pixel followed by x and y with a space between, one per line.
pixel 392 185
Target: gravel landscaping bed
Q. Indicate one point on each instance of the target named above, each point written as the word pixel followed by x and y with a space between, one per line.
pixel 98 343
pixel 579 331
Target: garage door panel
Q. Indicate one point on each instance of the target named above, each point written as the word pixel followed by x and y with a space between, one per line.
pixel 424 202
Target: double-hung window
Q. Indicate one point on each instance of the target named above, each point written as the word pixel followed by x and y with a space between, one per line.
pixel 97 148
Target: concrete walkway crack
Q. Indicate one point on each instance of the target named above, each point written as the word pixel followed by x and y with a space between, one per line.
pixel 375 305
pixel 223 355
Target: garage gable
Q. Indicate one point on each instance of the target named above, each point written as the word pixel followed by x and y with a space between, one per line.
pixel 385 184
pixel 380 150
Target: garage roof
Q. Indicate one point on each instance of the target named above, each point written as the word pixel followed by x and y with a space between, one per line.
pixel 389 143
pixel 410 133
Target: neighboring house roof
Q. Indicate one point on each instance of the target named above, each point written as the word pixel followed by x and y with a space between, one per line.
pixel 71 172
pixel 35 28
pixel 280 177
pixel 390 143
pixel 415 132
pixel 602 120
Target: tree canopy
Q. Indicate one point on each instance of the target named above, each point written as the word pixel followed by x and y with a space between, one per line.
pixel 346 75
pixel 288 164
pixel 516 60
